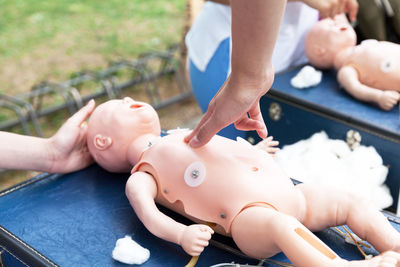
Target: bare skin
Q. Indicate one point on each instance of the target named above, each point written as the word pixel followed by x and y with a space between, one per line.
pixel 66 151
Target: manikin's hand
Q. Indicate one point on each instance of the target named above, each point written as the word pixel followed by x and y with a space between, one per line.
pixel 268 145
pixel 195 238
pixel 386 259
pixel 67 148
pixel 331 8
pixel 235 102
pixel 387 99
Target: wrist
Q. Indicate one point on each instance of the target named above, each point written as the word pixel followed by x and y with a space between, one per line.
pixel 259 82
pixel 180 234
pixel 50 157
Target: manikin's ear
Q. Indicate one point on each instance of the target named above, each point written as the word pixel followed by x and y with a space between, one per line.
pixel 102 142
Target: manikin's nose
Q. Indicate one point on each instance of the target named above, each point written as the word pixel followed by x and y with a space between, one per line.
pixel 127 100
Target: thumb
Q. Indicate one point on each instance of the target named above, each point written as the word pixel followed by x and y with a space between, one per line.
pixel 81 115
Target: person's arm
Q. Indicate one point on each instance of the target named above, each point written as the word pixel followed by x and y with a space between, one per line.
pixel 65 151
pixel 141 190
pixel 255 26
pixel 331 8
pixel 348 78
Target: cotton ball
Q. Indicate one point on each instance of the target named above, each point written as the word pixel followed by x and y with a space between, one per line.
pixel 381 197
pixel 339 147
pixel 128 251
pixel 307 77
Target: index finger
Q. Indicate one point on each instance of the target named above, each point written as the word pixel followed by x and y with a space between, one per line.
pixel 352 9
pixel 208 126
pixel 255 114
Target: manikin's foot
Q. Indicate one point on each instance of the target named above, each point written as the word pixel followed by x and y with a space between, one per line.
pixel 386 259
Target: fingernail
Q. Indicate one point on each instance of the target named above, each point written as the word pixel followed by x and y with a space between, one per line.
pixel 90 102
pixel 83 124
pixel 194 142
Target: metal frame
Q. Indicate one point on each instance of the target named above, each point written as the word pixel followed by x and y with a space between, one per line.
pixel 29 107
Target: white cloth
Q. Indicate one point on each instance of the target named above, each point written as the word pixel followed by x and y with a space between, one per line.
pixel 213 25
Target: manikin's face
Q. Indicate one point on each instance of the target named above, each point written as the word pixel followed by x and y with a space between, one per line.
pixel 327 38
pixel 114 125
pixel 133 117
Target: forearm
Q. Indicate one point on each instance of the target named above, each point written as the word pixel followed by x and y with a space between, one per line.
pixel 141 191
pixel 23 152
pixel 255 26
pixel 348 78
pixel 161 225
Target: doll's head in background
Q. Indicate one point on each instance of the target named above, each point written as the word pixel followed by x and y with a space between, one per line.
pixel 326 38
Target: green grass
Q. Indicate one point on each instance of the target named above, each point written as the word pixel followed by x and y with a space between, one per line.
pixel 57 37
pixel 50 40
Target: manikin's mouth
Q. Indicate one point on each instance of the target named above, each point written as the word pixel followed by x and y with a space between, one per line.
pixel 135 106
pixel 343 28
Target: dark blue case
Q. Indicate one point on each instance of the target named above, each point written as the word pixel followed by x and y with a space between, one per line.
pixel 292 114
pixel 75 220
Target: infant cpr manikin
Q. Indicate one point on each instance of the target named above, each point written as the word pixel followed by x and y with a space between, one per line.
pixel 229 187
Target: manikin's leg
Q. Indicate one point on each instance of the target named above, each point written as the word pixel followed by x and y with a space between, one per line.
pixel 327 207
pixel 262 232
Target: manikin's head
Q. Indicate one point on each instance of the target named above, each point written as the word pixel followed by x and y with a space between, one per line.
pixel 117 130
pixel 328 37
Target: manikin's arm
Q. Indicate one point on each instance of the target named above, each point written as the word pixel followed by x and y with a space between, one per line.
pixel 66 151
pixel 348 78
pixel 141 190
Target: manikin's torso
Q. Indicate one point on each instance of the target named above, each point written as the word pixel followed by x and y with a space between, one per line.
pixel 215 182
pixel 377 64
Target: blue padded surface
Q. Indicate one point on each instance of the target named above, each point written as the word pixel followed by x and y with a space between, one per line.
pixel 75 220
pixel 330 95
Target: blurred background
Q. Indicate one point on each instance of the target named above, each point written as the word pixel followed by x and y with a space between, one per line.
pixel 56 55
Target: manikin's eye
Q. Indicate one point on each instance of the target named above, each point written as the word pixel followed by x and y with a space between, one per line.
pixel 387 65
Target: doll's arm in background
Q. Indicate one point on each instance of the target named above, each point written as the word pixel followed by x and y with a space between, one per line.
pixel 268 145
pixel 141 190
pixel 348 78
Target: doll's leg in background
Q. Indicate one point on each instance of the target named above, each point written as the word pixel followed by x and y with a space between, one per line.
pixel 262 232
pixel 205 84
pixel 327 207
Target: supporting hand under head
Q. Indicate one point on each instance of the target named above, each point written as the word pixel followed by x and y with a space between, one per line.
pixel 67 147
pixel 66 151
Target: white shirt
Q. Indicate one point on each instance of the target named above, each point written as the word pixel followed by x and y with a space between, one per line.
pixel 213 25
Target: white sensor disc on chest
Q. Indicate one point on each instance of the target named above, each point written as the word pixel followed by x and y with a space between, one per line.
pixel 195 174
